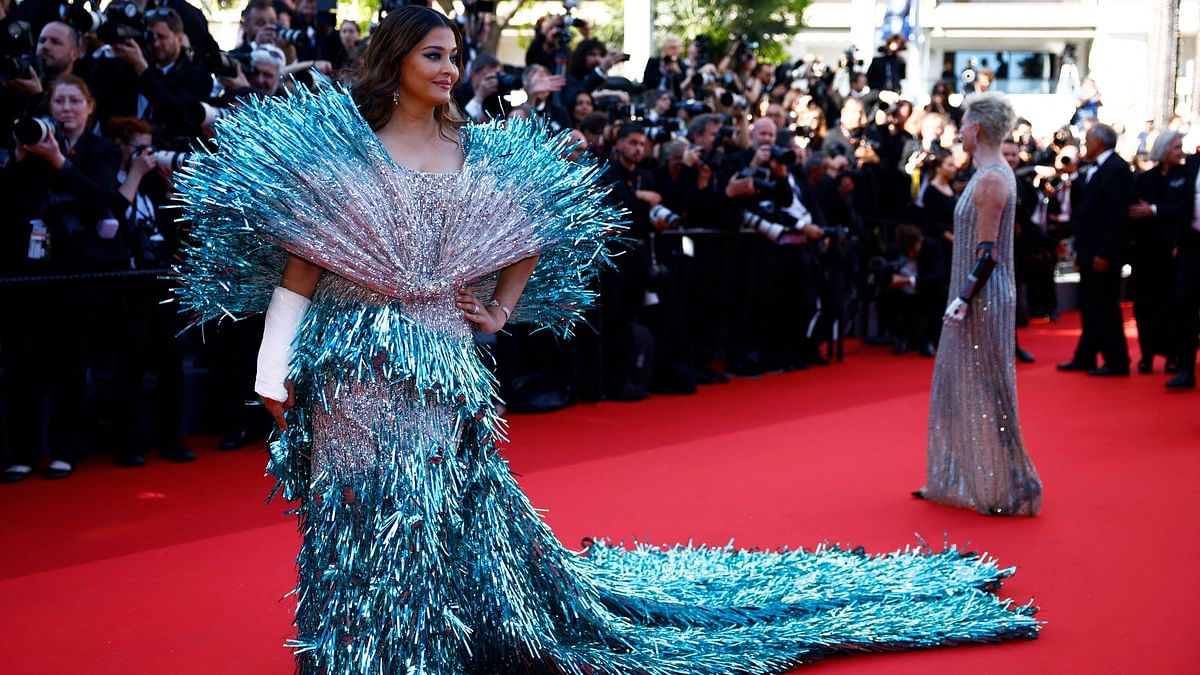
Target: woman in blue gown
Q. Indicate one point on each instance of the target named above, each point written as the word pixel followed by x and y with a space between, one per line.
pixel 395 231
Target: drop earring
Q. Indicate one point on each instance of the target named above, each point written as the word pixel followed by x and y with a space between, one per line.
pixel 396 97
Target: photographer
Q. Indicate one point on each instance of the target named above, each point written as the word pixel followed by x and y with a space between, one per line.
pixel 888 70
pixel 1034 249
pixel 479 94
pixel 57 51
pixel 318 40
pixel 859 144
pixel 625 291
pixel 549 45
pixel 266 70
pixel 583 106
pixel 851 137
pixel 756 191
pixel 914 286
pixel 129 86
pixel 589 66
pixel 260 26
pixel 665 71
pixel 539 85
pixel 146 328
pixel 59 189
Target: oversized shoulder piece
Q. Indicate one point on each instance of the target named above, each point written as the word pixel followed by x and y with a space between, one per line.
pixel 304 174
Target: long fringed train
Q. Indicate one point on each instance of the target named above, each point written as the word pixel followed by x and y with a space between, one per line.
pixel 421 554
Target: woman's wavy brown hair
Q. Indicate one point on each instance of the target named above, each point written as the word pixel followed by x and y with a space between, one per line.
pixel 377 75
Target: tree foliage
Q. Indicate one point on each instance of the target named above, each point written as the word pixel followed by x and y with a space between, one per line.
pixel 767 22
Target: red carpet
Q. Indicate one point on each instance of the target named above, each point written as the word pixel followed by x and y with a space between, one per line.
pixel 181 569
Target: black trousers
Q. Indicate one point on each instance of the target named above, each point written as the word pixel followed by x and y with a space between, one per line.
pixel 149 344
pixel 1186 323
pixel 1153 292
pixel 232 352
pixel 1035 272
pixel 1103 326
pixel 45 369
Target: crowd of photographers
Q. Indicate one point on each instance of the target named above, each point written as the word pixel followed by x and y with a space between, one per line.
pixel 773 208
pixel 99 108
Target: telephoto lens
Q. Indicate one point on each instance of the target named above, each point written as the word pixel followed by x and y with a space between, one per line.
pixel 33 130
pixel 170 160
pixel 200 113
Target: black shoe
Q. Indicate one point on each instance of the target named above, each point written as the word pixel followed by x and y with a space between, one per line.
pixel 175 451
pixel 58 469
pixel 1172 366
pixel 901 347
pixel 1182 380
pixel 706 375
pixel 926 350
pixel 1070 366
pixel 1145 366
pixel 919 494
pixel 1024 356
pixel 1107 371
pixel 236 438
pixel 131 460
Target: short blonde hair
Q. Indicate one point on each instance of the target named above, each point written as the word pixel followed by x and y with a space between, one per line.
pixel 994 114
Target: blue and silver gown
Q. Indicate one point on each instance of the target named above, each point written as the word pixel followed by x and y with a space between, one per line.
pixel 420 552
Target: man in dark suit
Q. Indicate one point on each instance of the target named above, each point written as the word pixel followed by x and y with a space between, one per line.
pixel 665 71
pixel 158 90
pixel 1099 218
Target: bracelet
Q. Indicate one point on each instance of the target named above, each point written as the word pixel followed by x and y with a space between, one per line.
pixel 496 303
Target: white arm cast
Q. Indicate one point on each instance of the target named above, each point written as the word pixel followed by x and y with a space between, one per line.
pixel 284 314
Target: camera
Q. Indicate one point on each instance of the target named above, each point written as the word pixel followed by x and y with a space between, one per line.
pixel 762 178
pixel 770 229
pixel 506 82
pixel 785 156
pixel 732 100
pixel 692 107
pixel 292 36
pixel 17 46
pixel 663 218
pixel 224 64
pixel 200 113
pixel 666 129
pixel 881 269
pixel 122 20
pixel 170 160
pixel 80 17
pixel 34 130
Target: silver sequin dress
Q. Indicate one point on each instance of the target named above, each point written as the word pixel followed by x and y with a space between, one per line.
pixel 976 456
pixel 421 554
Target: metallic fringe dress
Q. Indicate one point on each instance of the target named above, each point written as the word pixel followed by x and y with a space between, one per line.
pixel 420 552
pixel 977 458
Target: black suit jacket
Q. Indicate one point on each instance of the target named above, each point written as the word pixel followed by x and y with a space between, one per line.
pixel 117 87
pixel 195 25
pixel 1100 212
pixel 653 76
pixel 1173 196
pixel 82 188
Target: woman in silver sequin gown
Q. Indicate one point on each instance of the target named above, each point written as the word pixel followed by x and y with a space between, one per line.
pixel 976 455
